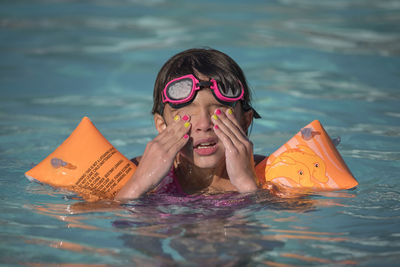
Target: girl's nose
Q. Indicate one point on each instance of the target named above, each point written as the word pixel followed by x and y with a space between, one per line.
pixel 203 122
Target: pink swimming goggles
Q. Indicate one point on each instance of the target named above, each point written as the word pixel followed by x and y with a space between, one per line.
pixel 181 91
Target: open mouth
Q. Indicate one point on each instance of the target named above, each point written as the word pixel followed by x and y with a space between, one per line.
pixel 205 145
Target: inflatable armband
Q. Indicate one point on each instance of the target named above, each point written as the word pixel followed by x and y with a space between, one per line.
pixel 308 160
pixel 85 163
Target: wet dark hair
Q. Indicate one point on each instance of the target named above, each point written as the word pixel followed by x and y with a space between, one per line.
pixel 209 62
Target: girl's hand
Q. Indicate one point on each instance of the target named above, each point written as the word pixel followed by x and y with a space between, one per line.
pixel 157 159
pixel 238 151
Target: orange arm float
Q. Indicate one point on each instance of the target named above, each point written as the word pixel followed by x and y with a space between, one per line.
pixel 308 160
pixel 85 163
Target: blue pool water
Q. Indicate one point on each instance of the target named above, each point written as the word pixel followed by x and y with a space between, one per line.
pixel 335 61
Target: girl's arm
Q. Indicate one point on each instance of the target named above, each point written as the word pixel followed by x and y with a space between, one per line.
pixel 156 161
pixel 238 151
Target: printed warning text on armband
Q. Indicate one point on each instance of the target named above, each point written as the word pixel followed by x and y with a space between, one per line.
pixel 98 184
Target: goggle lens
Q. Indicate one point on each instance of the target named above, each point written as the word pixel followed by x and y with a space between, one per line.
pixel 230 93
pixel 180 89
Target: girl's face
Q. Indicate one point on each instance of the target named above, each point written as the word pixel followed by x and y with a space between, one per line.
pixel 204 149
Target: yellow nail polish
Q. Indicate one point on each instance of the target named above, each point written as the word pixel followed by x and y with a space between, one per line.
pixel 215 117
pixel 187 124
pixel 176 118
pixel 230 111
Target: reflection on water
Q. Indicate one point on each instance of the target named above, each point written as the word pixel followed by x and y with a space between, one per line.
pixel 204 230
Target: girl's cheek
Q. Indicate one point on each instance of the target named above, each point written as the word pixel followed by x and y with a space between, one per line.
pixel 222 108
pixel 184 111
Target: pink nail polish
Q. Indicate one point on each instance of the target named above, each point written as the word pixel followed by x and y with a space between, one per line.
pixel 216 127
pixel 185 118
pixel 218 111
pixel 186 136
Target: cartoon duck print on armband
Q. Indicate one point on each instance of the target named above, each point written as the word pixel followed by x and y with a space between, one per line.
pixel 300 165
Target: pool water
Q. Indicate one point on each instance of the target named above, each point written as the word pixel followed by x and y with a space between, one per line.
pixel 335 61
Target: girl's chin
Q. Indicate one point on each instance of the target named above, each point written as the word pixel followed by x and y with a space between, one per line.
pixel 206 162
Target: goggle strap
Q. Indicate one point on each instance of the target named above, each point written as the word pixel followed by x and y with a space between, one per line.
pixel 246 107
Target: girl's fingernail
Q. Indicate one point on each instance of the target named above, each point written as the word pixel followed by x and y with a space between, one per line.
pixel 230 111
pixel 185 118
pixel 186 136
pixel 216 127
pixel 215 117
pixel 176 118
pixel 218 111
pixel 187 124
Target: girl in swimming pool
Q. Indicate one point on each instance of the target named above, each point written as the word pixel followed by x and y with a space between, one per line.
pixel 202 113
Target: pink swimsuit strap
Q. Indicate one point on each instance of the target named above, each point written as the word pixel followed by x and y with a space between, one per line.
pixel 169 185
